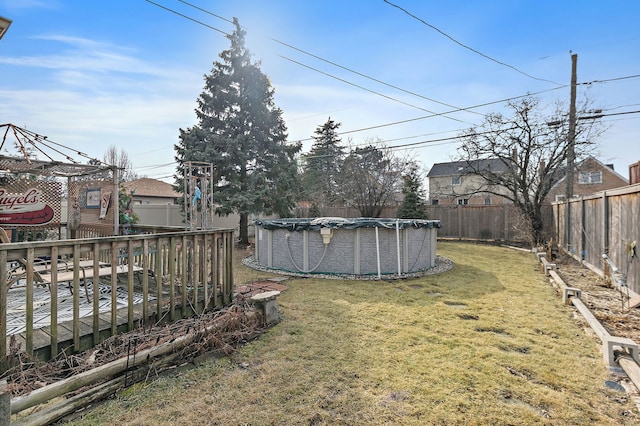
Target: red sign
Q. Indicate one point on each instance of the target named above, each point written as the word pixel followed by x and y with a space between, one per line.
pixel 26 208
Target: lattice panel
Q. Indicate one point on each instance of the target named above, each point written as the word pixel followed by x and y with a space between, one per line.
pixel 48 193
pixel 86 197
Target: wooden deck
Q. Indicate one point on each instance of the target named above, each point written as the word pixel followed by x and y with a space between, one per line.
pixel 143 280
pixel 42 336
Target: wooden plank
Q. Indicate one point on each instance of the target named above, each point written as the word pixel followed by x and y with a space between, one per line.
pixel 96 293
pixel 172 278
pixel 130 249
pixel 595 325
pixel 104 270
pixel 54 307
pixel 3 308
pixel 634 302
pixel 114 286
pixel 76 298
pixel 145 278
pixel 29 302
pixel 158 275
pixel 195 260
pixel 183 276
pixel 215 273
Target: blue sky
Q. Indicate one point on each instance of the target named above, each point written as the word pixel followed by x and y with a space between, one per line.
pixel 91 74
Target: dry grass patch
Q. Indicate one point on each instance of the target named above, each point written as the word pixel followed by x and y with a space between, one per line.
pixel 488 342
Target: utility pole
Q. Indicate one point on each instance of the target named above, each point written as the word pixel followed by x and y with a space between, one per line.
pixel 570 152
pixel 572 128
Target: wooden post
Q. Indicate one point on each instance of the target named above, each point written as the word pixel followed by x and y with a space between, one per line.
pixel 583 231
pixel 54 301
pixel 130 274
pixel 76 298
pixel 114 288
pixel 3 311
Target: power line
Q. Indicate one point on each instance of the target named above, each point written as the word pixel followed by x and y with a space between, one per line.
pixel 322 59
pixel 388 97
pixel 188 17
pixel 477 106
pixel 333 63
pixel 449 139
pixel 468 109
pixel 467 47
pixel 609 115
pixel 157 166
pixel 435 114
pixel 431 116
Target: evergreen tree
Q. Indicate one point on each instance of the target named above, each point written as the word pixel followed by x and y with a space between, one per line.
pixel 243 134
pixel 413 204
pixel 323 164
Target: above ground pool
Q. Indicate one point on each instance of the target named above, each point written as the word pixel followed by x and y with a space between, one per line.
pixel 333 245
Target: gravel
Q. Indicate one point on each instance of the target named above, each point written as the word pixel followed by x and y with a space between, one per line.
pixel 442 264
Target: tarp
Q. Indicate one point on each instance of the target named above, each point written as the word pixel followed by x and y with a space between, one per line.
pixel 314 224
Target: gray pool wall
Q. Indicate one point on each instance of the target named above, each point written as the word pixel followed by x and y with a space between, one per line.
pixel 401 250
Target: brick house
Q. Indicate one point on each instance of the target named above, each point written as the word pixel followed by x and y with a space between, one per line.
pixel 452 183
pixel 590 176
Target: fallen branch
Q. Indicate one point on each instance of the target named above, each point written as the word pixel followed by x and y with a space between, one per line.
pixel 225 330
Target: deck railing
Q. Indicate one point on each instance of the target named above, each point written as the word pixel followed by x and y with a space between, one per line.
pixel 177 275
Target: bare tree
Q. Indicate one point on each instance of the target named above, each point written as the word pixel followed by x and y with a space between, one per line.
pixel 121 160
pixel 370 178
pixel 532 149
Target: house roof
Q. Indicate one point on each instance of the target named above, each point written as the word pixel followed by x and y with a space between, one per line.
pixel 147 187
pixel 456 168
pixel 585 162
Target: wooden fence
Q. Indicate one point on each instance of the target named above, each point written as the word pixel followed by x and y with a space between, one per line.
pixel 606 223
pixel 177 274
pixel 478 222
pixel 486 222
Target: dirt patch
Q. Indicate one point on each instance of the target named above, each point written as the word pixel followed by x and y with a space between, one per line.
pixel 608 305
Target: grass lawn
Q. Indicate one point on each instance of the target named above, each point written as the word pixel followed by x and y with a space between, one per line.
pixel 488 342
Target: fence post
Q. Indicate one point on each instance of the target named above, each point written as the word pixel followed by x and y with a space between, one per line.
pixel 605 223
pixel 506 222
pixel 459 217
pixel 583 230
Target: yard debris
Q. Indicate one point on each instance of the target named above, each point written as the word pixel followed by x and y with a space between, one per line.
pixel 234 326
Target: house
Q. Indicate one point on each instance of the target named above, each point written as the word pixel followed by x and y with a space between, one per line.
pixel 151 191
pixel 590 176
pixel 452 183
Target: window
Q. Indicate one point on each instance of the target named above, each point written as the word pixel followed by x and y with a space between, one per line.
pixel 560 198
pixel 487 201
pixel 463 201
pixel 456 180
pixel 590 177
pixel 435 202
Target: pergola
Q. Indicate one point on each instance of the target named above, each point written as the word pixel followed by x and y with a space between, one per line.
pixel 40 173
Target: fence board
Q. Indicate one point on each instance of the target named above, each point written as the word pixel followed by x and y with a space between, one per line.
pixel 604 223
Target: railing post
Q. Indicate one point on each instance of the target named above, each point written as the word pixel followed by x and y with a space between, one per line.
pixel 76 297
pixel 3 311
